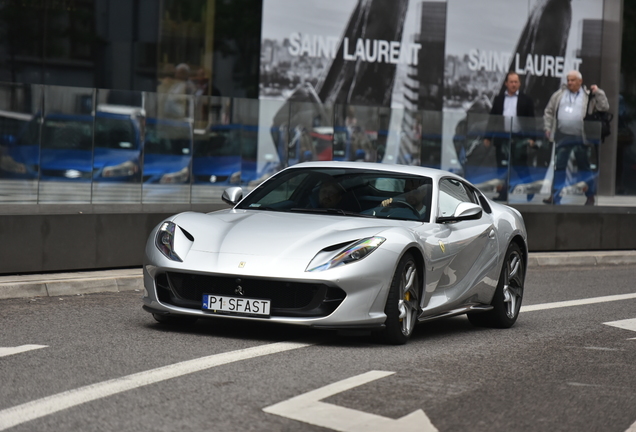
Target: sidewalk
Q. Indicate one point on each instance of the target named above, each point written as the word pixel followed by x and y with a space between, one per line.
pixel 86 282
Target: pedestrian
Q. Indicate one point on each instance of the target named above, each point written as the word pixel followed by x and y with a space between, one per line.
pixel 563 120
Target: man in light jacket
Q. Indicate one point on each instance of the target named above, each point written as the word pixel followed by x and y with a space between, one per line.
pixel 563 125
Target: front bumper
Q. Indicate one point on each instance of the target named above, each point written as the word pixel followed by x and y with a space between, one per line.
pixel 348 300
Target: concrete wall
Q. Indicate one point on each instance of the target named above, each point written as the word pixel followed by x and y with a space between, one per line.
pixel 554 228
pixel 97 240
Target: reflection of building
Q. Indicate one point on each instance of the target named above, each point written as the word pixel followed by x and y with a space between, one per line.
pixel 280 72
pixel 590 51
pixel 423 90
pixel 430 65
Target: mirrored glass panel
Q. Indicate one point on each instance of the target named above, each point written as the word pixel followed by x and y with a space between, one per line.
pixel 117 156
pixel 20 120
pixel 216 161
pixel 530 175
pixel 311 132
pixel 626 148
pixel 258 153
pixel 391 137
pixel 167 156
pixel 428 128
pixel 484 149
pixel 360 133
pixel 66 154
pixel 575 163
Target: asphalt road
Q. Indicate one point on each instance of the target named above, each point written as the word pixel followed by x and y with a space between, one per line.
pixel 97 362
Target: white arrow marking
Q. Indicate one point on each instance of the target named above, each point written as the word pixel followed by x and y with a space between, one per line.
pixel 16 415
pixel 307 408
pixel 7 351
pixel 628 324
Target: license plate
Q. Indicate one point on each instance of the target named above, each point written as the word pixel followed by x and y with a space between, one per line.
pixel 241 305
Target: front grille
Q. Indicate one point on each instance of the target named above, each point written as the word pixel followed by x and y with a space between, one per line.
pixel 288 298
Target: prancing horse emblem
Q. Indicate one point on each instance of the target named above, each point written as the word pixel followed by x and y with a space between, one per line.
pixel 242 264
pixel 239 290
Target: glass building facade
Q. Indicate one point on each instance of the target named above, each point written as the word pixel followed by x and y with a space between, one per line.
pixel 146 101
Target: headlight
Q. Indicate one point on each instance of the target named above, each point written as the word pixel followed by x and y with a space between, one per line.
pixel 165 241
pixel 352 253
pixel 180 176
pixel 125 169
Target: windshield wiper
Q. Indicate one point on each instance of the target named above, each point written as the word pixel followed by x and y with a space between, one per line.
pixel 265 208
pixel 329 211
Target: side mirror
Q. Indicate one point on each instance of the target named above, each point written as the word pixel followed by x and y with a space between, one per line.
pixel 464 211
pixel 232 195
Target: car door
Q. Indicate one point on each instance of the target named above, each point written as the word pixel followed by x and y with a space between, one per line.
pixel 466 259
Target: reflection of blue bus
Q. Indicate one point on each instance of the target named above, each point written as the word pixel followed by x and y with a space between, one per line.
pixel 167 151
pixel 217 156
pixel 226 155
pixel 60 147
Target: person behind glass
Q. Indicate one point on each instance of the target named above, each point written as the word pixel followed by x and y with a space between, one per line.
pixel 563 123
pixel 414 194
pixel 506 107
pixel 330 194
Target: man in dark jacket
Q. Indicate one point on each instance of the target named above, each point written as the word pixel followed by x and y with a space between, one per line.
pixel 506 130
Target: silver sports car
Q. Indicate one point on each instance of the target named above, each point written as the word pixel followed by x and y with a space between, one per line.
pixel 342 245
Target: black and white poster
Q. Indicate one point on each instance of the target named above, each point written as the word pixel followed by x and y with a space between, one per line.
pixel 405 72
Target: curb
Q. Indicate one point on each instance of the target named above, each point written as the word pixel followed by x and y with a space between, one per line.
pixel 64 284
pixel 545 259
pixel 118 280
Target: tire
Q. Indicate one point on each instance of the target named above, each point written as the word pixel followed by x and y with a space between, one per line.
pixel 509 293
pixel 402 303
pixel 174 320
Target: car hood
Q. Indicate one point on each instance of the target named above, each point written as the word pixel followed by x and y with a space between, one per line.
pixel 279 235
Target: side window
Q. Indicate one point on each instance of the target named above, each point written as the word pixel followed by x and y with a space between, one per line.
pixel 481 200
pixel 452 192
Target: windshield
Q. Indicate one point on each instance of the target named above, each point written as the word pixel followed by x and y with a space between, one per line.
pixel 344 191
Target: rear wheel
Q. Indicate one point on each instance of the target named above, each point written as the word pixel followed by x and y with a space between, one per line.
pixel 402 304
pixel 508 295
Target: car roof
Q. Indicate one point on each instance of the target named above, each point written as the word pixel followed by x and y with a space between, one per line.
pixel 395 168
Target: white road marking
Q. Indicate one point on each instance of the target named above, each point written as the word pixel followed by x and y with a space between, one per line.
pixel 51 404
pixel 581 302
pixel 307 408
pixel 628 324
pixel 353 420
pixel 7 351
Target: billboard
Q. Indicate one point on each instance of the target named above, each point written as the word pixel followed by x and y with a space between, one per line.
pixel 428 63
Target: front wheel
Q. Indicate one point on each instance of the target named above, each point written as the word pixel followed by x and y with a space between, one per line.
pixel 402 304
pixel 507 299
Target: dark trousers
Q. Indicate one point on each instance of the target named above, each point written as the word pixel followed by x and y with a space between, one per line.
pixel 565 145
